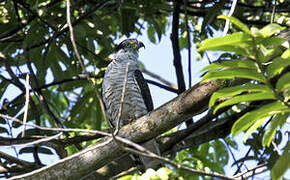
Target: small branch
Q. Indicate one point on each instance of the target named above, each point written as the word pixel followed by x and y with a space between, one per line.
pixel 56 129
pixel 189 43
pixel 38 94
pixel 176 52
pixel 175 46
pixel 79 57
pixel 159 78
pixel 15 79
pixel 39 141
pixel 72 36
pixel 26 104
pixel 16 160
pixel 162 86
pixel 249 170
pixel 227 25
pixel 276 148
pixel 273 12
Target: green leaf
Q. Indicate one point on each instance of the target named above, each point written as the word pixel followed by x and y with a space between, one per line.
pixel 235 40
pixel 272 41
pixel 278 120
pixel 246 98
pixel 284 82
pixel 253 128
pixel 236 22
pixel 251 117
pixel 232 91
pixel 271 29
pixel 151 34
pixel 286 54
pixel 277 66
pixel 282 164
pixel 234 73
pixel 232 63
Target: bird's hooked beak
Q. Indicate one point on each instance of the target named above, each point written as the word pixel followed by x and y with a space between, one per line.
pixel 140 45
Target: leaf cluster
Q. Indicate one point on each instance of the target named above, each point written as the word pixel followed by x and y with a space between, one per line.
pixel 262 60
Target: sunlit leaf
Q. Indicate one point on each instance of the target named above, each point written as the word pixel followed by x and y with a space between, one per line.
pixel 278 120
pixel 234 73
pixel 253 128
pixel 251 117
pixel 232 40
pixel 277 66
pixel 232 63
pixel 246 98
pixel 236 22
pixel 232 91
pixel 271 29
pixel 284 82
pixel 282 164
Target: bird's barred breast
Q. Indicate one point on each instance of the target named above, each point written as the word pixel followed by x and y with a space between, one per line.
pixel 133 106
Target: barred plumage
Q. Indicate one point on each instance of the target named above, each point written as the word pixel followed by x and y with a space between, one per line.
pixel 134 105
pixel 137 100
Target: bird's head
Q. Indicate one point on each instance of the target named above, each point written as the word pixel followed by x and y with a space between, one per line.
pixel 129 45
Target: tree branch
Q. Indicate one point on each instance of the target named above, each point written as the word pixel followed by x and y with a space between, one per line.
pixel 184 106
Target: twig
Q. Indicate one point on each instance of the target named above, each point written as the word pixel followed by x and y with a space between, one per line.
pixel 249 170
pixel 162 86
pixel 231 152
pixel 159 78
pixel 16 160
pixel 38 94
pixel 56 129
pixel 188 42
pixel 176 52
pixel 227 25
pixel 276 148
pixel 46 139
pixel 122 101
pixel 72 35
pixel 175 46
pixel 79 57
pixel 273 12
pixel 26 104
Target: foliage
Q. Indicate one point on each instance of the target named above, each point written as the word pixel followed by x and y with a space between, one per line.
pixel 150 174
pixel 258 62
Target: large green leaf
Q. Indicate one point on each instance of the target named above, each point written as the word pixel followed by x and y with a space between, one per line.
pixel 253 128
pixel 284 82
pixel 248 64
pixel 278 120
pixel 271 29
pixel 232 91
pixel 251 117
pixel 246 98
pixel 236 22
pixel 233 40
pixel 234 73
pixel 282 164
pixel 277 66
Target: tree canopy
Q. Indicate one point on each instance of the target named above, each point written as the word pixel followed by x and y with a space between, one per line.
pixel 53 54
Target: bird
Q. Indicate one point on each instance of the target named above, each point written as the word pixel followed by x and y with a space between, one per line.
pixel 137 98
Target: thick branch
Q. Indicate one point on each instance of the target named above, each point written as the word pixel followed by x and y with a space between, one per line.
pixel 151 125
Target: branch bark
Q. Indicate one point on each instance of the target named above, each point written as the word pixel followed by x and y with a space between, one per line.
pixel 189 103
